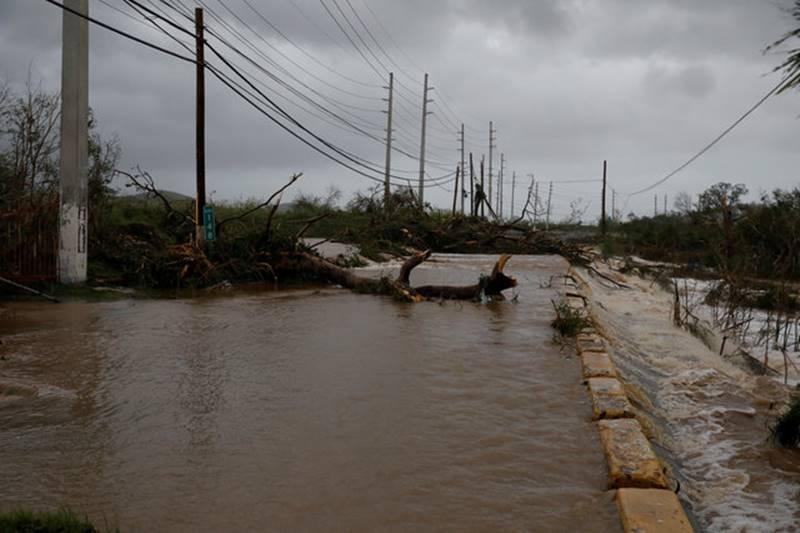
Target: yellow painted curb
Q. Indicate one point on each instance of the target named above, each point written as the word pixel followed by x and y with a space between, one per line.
pixel 651 511
pixel 609 400
pixel 597 365
pixel 631 461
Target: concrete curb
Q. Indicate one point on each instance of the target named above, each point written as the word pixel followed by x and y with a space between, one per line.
pixel 634 470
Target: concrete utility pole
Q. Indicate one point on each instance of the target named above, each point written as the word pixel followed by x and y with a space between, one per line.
pixel 603 203
pixel 492 146
pixel 463 172
pixel 387 190
pixel 74 163
pixel 613 204
pixel 425 113
pixel 472 211
pixel 549 200
pixel 500 186
pixel 655 205
pixel 665 203
pixel 200 141
pixel 513 191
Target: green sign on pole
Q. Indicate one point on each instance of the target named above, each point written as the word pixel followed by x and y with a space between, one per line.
pixel 209 224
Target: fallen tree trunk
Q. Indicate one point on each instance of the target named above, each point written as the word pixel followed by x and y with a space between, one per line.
pixel 490 286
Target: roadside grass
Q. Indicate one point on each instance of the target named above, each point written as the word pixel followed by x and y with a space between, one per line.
pixel 61 521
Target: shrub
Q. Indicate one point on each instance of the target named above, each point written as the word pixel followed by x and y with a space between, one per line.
pixel 786 431
pixel 569 321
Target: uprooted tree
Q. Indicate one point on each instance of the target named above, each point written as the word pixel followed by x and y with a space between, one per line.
pixel 490 286
pixel 258 243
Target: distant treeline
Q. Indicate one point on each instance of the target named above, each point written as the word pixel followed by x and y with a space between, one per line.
pixel 721 231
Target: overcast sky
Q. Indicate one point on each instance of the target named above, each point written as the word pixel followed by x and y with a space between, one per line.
pixel 567 83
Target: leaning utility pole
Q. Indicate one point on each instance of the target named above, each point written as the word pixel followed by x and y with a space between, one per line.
pixel 603 203
pixel 200 141
pixel 492 139
pixel 463 172
pixel 549 200
pixel 74 160
pixel 425 101
pixel 387 190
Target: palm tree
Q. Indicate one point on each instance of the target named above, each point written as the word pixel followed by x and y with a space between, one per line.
pixel 791 65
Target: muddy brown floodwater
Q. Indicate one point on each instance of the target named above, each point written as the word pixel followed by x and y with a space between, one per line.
pixel 303 410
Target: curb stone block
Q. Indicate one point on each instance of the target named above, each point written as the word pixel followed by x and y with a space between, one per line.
pixel 609 399
pixel 597 365
pixel 631 461
pixel 590 343
pixel 651 511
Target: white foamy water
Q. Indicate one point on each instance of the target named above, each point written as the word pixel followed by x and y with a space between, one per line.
pixel 711 417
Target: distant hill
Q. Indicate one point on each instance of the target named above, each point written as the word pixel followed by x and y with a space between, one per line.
pixel 172 196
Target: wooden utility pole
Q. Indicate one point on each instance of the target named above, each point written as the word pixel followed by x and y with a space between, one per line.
pixel 463 170
pixel 549 200
pixel 535 204
pixel 425 101
pixel 513 191
pixel 471 186
pixel 483 190
pixel 387 189
pixel 74 158
pixel 603 203
pixel 665 203
pixel 200 127
pixel 492 139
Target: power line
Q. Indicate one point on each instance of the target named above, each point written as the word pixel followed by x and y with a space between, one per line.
pixel 237 88
pixel 712 143
pixel 123 33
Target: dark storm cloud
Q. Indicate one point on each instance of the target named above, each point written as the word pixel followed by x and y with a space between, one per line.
pixel 568 83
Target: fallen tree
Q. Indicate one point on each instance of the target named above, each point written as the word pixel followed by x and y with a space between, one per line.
pixel 490 286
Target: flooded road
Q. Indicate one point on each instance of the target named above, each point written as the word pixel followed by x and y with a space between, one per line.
pixel 303 410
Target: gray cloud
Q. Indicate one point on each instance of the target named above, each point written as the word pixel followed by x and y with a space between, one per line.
pixel 568 83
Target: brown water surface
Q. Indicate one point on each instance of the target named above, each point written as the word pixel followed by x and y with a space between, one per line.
pixel 303 410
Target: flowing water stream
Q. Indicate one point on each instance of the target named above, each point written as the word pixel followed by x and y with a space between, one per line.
pixel 710 417
pixel 303 410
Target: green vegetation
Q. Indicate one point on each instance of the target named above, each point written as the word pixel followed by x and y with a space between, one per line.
pixel 721 232
pixel 569 321
pixel 62 521
pixel 786 431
